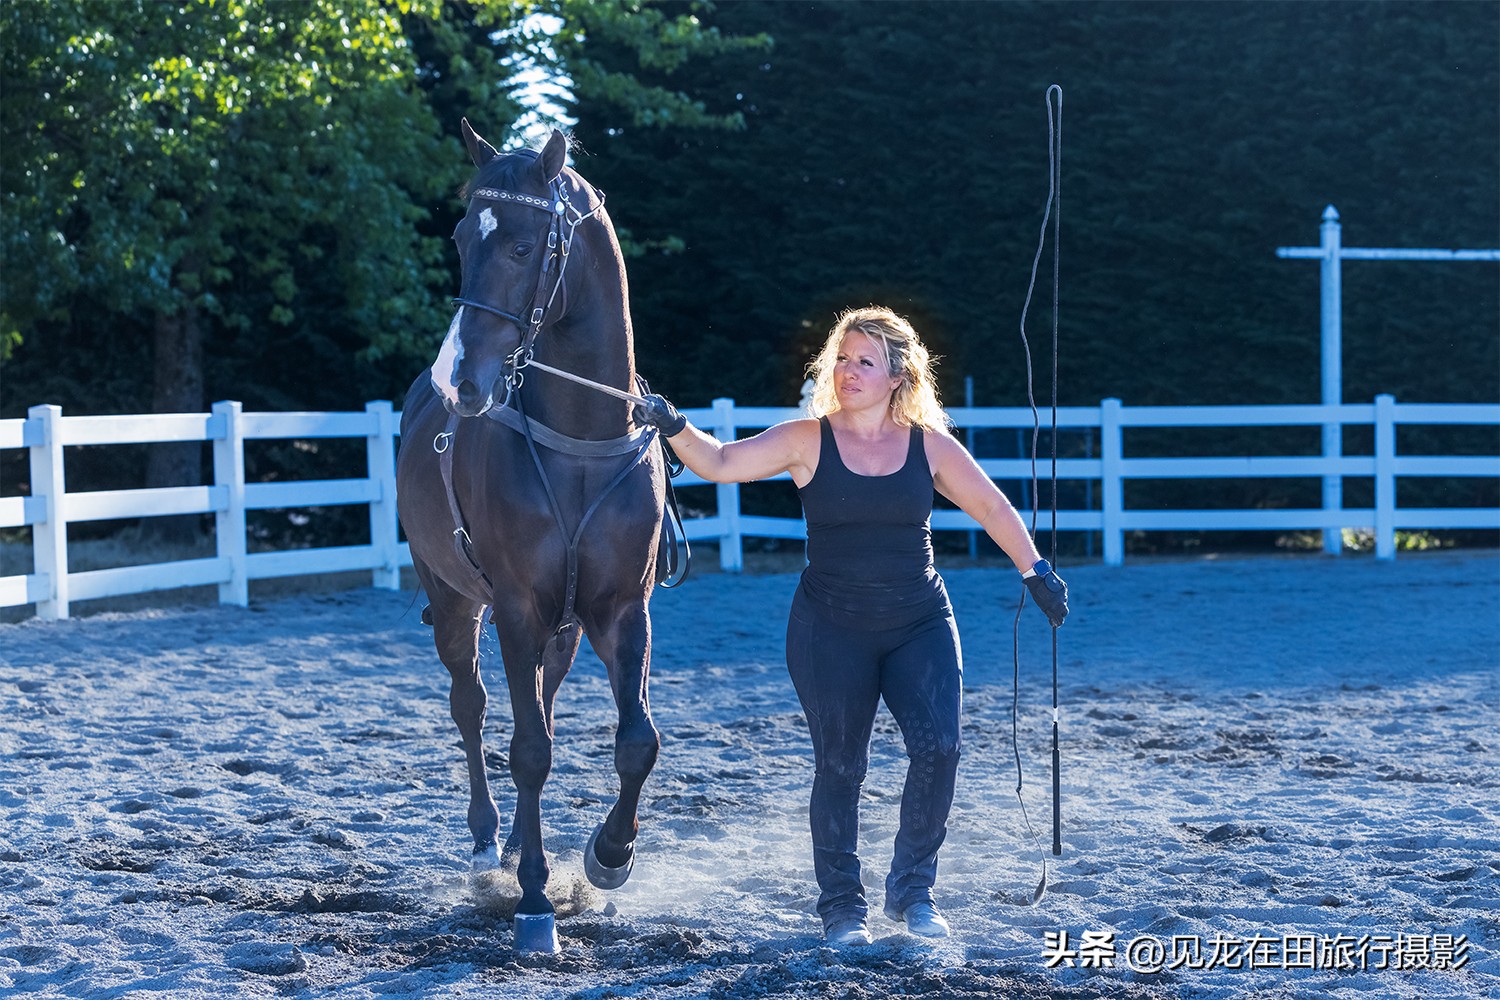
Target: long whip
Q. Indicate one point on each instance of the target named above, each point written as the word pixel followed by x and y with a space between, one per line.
pixel 1054 159
pixel 1053 214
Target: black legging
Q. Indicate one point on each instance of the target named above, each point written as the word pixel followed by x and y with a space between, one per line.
pixel 840 675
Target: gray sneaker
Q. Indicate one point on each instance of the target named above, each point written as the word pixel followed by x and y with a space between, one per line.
pixel 922 919
pixel 847 932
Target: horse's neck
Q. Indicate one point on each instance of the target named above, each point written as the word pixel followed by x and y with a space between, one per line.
pixel 592 339
pixel 598 350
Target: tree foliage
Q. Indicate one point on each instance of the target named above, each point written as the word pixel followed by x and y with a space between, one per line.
pixel 250 171
pixel 275 180
pixel 897 152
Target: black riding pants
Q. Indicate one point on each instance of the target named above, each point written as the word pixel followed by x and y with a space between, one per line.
pixel 841 674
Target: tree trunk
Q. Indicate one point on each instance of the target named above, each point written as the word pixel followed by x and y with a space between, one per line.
pixel 177 388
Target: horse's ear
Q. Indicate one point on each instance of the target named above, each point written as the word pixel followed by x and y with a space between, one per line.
pixel 554 155
pixel 480 151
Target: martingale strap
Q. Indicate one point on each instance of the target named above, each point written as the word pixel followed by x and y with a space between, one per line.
pixel 637 443
pixel 559 442
pixel 569 617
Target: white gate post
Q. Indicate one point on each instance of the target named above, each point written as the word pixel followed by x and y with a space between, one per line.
pixel 731 554
pixel 380 450
pixel 229 522
pixel 1111 483
pixel 49 539
pixel 1332 253
pixel 1331 323
pixel 1385 476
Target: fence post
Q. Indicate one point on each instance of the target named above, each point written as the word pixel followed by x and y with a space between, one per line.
pixel 1111 483
pixel 1385 476
pixel 49 539
pixel 1330 300
pixel 380 449
pixel 229 522
pixel 731 553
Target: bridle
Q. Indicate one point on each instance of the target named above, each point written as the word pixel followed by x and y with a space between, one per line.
pixel 564 221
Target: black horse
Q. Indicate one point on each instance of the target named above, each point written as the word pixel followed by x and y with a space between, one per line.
pixel 537 497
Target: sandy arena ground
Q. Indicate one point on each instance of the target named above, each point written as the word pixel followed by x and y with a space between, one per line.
pixel 269 802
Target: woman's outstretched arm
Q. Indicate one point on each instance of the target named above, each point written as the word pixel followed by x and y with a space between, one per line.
pixel 786 447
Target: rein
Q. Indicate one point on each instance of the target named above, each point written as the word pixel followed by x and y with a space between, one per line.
pixel 608 390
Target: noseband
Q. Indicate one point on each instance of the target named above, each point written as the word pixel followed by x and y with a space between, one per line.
pixel 562 216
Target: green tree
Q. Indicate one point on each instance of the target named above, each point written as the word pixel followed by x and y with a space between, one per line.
pixel 896 152
pixel 200 175
pixel 253 198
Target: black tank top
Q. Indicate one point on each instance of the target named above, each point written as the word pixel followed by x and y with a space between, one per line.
pixel 869 540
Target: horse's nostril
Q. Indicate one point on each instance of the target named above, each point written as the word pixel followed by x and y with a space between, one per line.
pixel 471 400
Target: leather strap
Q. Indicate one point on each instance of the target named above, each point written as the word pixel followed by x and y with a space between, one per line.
pixel 461 542
pixel 555 441
pixel 568 617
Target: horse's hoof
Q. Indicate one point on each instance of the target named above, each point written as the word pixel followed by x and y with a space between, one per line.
pixel 598 874
pixel 536 932
pixel 485 859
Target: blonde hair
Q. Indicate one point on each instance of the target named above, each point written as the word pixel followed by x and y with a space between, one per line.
pixel 914 403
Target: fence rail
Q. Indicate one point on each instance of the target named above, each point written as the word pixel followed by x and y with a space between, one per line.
pixel 50 508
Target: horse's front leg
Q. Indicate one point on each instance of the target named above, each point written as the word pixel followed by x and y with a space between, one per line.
pixel 456 622
pixel 625 646
pixel 530 763
pixel 557 659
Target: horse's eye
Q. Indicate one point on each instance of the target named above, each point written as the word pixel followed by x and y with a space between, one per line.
pixel 522 250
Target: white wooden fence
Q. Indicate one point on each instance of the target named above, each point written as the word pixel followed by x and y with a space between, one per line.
pixel 50 508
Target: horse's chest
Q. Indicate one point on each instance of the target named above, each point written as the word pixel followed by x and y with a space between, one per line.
pixel 540 506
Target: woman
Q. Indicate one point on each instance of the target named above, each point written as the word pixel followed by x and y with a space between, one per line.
pixel 871 618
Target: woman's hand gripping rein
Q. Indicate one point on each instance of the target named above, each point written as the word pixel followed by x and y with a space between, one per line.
pixel 660 414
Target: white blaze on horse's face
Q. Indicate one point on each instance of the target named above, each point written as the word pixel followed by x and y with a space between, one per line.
pixel 487 224
pixel 447 361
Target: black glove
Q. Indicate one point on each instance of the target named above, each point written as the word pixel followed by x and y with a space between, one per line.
pixel 660 414
pixel 1049 592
